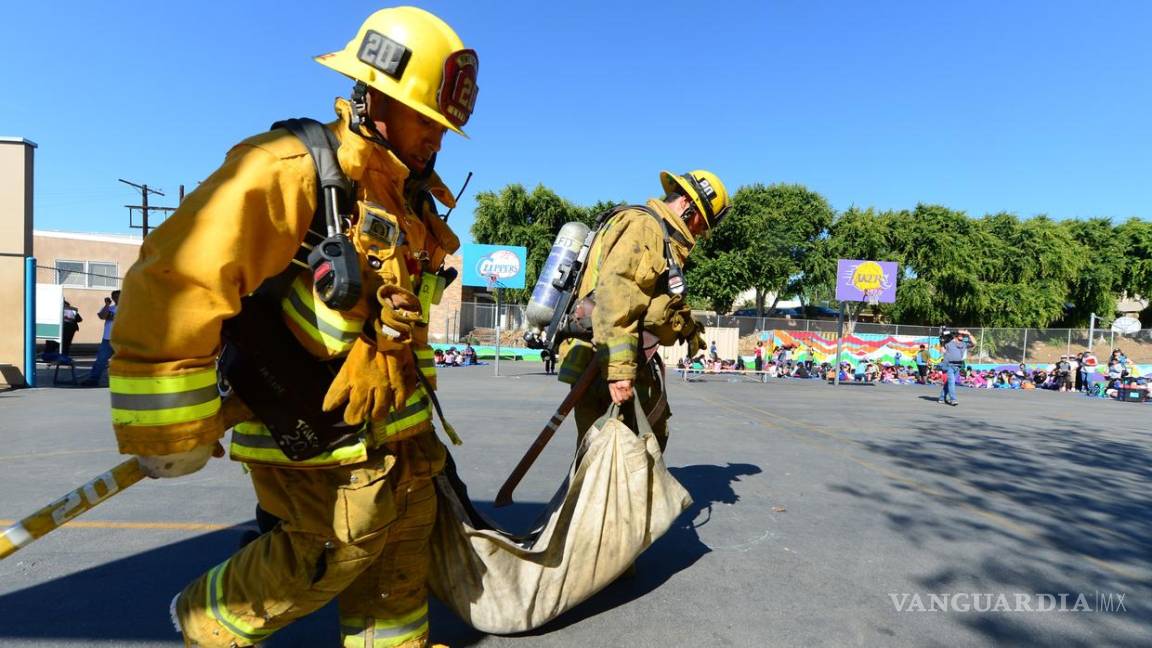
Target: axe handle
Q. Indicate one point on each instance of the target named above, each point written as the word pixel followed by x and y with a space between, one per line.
pixel 69 506
pixel 504 497
pixel 100 488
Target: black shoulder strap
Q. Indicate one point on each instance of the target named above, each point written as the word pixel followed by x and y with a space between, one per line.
pixel 322 145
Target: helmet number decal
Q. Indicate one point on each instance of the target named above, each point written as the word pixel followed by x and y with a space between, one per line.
pixel 457 94
pixel 384 54
pixel 708 191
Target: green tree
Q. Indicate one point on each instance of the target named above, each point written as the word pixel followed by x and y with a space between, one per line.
pixel 766 243
pixel 1031 266
pixel 1095 288
pixel 992 271
pixel 513 216
pixel 942 253
pixel 1136 274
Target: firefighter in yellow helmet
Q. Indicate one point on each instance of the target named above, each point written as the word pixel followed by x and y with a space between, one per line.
pixel 313 297
pixel 634 285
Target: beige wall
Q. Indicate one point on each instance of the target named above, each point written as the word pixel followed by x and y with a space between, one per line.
pixel 727 345
pixel 50 247
pixel 444 321
pixel 16 184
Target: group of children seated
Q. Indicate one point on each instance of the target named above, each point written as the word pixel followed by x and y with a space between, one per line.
pixel 454 358
pixel 1060 377
pixel 702 364
pixel 870 372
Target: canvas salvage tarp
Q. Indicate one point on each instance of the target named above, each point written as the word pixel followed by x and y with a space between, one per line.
pixel 618 498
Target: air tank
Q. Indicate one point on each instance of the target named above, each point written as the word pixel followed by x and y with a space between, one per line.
pixel 565 249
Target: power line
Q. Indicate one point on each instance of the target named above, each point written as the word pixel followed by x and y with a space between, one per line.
pixel 144 207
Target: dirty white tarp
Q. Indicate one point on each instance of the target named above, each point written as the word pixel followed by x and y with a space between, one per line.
pixel 618 498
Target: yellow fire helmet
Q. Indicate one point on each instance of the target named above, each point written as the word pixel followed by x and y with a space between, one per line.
pixel 415 58
pixel 703 188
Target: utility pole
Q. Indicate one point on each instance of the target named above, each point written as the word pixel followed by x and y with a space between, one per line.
pixel 144 207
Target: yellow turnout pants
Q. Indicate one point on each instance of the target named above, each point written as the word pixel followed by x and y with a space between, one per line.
pixel 358 533
pixel 648 387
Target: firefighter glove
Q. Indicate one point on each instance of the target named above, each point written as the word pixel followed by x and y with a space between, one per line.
pixel 399 312
pixel 176 464
pixel 369 383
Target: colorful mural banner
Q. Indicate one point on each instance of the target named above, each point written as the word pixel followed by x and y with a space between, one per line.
pixel 879 348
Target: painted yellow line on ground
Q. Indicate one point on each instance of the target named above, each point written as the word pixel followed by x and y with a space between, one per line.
pixel 165 526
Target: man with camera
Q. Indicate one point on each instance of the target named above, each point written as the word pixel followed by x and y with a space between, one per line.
pixel 956 345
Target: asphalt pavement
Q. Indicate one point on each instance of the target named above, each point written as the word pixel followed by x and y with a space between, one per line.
pixel 824 516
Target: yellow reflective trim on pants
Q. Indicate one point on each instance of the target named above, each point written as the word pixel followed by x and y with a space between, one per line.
pixel 220 612
pixel 325 326
pixel 367 632
pixel 252 442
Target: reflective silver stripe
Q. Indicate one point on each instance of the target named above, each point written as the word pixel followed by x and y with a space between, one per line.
pixel 383 632
pixel 139 402
pixel 401 630
pixel 324 327
pixel 253 440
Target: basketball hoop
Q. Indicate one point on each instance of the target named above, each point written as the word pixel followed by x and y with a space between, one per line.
pixel 872 297
pixel 493 281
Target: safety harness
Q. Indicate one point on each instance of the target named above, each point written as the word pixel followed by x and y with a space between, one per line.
pixel 262 362
pixel 573 318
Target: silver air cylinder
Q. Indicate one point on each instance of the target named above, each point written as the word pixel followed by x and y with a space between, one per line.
pixel 567 246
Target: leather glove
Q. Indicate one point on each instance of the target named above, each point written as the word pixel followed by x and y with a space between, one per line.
pixel 178 464
pixel 399 313
pixel 368 382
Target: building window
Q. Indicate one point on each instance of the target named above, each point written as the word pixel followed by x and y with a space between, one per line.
pixel 87 274
pixel 70 273
pixel 102 275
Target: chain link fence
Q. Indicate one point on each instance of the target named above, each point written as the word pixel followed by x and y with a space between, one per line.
pixel 476 322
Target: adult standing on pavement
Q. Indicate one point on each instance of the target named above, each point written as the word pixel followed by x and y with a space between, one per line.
pixel 923 361
pixel 72 319
pixel 1087 368
pixel 104 351
pixel 354 498
pixel 634 265
pixel 956 345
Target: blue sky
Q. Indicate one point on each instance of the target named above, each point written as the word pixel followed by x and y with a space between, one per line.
pixel 1025 106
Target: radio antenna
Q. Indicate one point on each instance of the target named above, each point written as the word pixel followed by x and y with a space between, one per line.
pixel 461 193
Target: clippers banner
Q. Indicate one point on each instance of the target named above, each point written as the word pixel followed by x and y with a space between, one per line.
pixel 506 262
